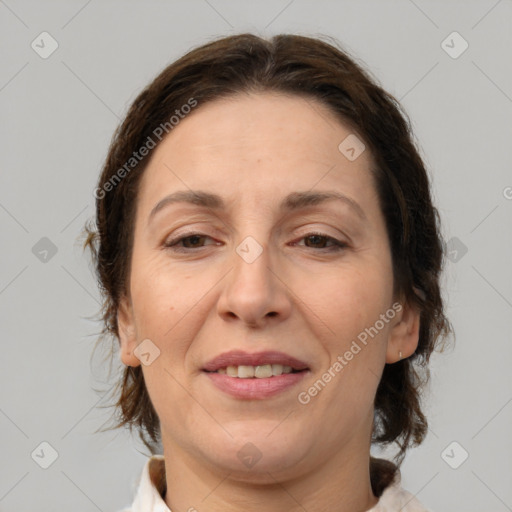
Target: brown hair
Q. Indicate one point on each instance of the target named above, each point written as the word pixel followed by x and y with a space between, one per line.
pixel 311 68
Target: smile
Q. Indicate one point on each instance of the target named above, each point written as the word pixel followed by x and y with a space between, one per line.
pixel 258 372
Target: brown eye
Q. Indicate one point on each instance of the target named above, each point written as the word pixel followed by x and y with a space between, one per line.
pixel 319 241
pixel 187 242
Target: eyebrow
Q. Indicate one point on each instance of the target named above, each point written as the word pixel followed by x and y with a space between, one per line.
pixel 293 201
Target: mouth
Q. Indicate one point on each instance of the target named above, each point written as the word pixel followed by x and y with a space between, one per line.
pixel 263 371
pixel 255 376
pixel 260 365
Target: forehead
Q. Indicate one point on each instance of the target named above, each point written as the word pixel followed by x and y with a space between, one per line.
pixel 258 144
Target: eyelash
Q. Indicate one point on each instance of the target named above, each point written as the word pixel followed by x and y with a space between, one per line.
pixel 336 247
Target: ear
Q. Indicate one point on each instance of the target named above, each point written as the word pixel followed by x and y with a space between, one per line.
pixel 127 332
pixel 405 333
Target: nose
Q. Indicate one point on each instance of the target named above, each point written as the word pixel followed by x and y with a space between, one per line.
pixel 255 291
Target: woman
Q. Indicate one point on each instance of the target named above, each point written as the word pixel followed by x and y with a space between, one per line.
pixel 270 260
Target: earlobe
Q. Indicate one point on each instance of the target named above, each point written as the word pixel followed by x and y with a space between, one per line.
pixel 127 333
pixel 404 335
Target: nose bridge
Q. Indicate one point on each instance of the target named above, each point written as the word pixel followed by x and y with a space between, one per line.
pixel 253 261
pixel 253 293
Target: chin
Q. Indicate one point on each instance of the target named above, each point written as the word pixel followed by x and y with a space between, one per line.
pixel 253 453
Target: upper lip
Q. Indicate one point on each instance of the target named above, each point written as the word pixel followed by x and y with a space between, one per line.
pixel 239 358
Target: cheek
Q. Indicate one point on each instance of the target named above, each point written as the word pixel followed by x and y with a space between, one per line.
pixel 171 303
pixel 350 303
pixel 160 297
pixel 158 284
pixel 352 299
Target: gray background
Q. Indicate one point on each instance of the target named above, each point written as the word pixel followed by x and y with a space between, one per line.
pixel 58 115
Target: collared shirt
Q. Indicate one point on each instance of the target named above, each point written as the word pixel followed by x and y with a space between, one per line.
pixel 149 496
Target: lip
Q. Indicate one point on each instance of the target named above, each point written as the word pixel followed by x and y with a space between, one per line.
pixel 239 357
pixel 255 389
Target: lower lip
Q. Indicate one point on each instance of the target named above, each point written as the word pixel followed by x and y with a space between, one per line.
pixel 255 389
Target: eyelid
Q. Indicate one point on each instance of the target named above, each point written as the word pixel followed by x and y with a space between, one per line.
pixel 336 246
pixel 336 242
pixel 169 242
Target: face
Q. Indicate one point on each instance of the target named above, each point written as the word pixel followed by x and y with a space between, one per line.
pixel 229 291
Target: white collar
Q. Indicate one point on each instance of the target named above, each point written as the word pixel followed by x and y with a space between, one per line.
pixel 149 497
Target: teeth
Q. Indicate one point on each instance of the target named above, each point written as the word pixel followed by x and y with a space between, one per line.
pixel 232 371
pixel 277 369
pixel 245 372
pixel 263 371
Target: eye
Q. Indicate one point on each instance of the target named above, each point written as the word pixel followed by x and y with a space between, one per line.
pixel 193 241
pixel 321 239
pixel 190 241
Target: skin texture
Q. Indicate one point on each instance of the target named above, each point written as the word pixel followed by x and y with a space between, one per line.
pixel 298 297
